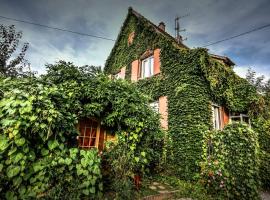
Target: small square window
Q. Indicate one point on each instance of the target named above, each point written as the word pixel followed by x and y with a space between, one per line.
pixel 155 106
pixel 117 76
pixel 147 67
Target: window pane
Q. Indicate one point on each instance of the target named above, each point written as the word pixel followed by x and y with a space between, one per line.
pixel 216 117
pixel 147 68
pixel 151 66
pixel 155 106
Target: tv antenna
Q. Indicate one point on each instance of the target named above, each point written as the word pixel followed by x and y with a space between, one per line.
pixel 177 29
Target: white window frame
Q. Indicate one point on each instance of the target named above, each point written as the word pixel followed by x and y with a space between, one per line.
pixel 117 76
pixel 155 106
pixel 147 64
pixel 216 117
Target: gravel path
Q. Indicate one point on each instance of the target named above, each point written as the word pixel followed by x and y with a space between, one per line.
pixel 265 195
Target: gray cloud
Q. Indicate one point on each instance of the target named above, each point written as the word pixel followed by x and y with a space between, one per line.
pixel 209 20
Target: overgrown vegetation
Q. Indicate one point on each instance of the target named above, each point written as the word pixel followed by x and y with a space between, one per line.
pixel 261 123
pixel 231 162
pixel 191 80
pixel 39 157
pixel 38 147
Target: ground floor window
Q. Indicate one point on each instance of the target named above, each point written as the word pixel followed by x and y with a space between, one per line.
pixel 216 116
pixel 92 135
pixel 240 117
pixel 155 106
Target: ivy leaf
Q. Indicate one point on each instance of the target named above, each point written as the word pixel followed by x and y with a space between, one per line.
pixel 20 141
pixel 13 171
pixel 86 192
pixel 143 154
pixel 68 161
pixel 44 152
pixel 3 142
pixel 93 190
pixel 52 144
pixel 17 157
pixel 10 196
pixel 17 181
pixel 137 159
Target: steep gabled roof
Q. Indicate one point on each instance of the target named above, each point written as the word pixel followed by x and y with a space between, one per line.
pixel 156 28
pixel 140 17
pixel 225 59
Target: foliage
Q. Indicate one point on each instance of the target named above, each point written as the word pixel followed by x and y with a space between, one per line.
pixel 228 89
pixel 36 157
pixel 9 41
pixel 260 113
pixel 38 134
pixel 262 126
pixel 231 162
pixel 185 189
pixel 191 79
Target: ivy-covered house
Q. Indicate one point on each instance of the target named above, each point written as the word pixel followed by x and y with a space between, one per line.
pixel 193 91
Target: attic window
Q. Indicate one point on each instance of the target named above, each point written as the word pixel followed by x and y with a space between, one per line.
pixel 131 38
pixel 147 67
pixel 155 106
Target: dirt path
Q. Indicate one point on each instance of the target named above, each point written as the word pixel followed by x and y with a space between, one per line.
pixel 265 195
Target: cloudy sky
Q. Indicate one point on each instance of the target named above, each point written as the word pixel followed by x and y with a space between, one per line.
pixel 208 21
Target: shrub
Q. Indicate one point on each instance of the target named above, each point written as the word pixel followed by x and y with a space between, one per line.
pixel 230 166
pixel 38 156
pixel 262 126
pixel 35 155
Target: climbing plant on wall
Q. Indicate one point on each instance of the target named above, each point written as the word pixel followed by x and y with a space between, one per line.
pixel 191 79
pixel 231 162
pixel 38 146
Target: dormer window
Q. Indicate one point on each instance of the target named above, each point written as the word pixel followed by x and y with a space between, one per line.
pixel 147 67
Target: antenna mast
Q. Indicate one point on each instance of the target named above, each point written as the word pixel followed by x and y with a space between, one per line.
pixel 177 29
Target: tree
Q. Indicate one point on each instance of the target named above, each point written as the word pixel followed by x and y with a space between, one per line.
pixel 263 88
pixel 11 65
pixel 261 124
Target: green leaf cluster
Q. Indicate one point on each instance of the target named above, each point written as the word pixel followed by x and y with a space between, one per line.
pixel 231 162
pixel 191 79
pixel 38 117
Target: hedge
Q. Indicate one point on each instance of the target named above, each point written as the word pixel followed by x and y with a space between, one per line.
pixel 231 162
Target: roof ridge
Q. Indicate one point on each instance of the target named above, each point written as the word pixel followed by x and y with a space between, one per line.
pixel 137 14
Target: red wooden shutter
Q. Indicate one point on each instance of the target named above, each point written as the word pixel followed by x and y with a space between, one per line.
pixel 156 61
pixel 134 70
pixel 163 110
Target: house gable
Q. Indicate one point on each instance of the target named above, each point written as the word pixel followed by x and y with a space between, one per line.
pixel 137 35
pixel 190 80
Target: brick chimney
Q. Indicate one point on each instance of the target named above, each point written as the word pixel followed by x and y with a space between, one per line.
pixel 161 26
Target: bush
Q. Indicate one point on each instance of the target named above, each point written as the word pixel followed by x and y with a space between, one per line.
pixel 265 169
pixel 35 150
pixel 262 126
pixel 231 164
pixel 38 117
